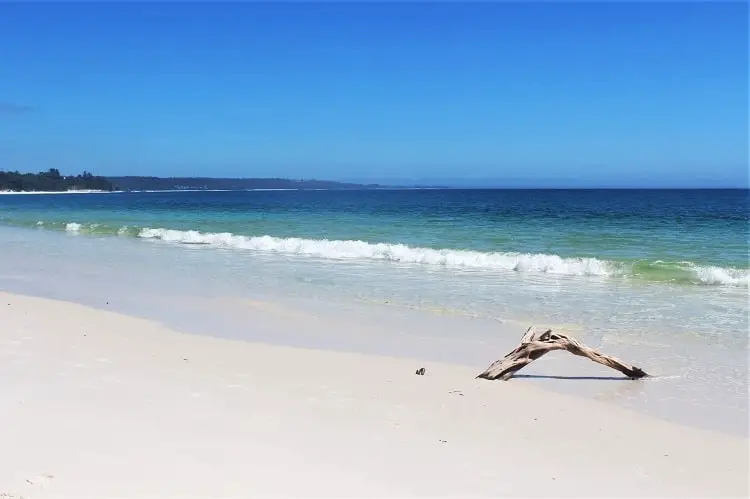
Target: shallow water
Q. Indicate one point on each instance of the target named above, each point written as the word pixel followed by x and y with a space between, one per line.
pixel 697 237
pixel 457 315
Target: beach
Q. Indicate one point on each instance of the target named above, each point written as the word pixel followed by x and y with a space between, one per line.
pixel 99 404
pixel 326 227
pixel 244 344
pixel 657 278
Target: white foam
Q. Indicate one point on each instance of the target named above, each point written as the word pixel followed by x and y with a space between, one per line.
pixel 720 275
pixel 449 258
pixel 360 250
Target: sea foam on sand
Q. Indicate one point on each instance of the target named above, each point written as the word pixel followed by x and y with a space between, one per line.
pixel 97 404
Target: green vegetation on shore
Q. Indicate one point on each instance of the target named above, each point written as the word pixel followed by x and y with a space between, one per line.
pixel 52 181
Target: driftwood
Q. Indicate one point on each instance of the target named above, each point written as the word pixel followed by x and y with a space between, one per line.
pixel 532 347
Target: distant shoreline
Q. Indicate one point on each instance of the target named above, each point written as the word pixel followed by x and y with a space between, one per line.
pixel 379 188
pixel 136 191
pixel 82 191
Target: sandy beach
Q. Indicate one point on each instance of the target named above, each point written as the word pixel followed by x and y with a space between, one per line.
pixel 97 404
pixel 267 250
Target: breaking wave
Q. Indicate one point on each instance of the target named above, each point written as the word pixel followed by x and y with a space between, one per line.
pixel 360 250
pixel 452 258
pixel 349 250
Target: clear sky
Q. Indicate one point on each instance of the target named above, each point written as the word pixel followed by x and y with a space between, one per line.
pixel 596 93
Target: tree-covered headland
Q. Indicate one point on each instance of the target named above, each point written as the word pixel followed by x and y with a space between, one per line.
pixel 53 181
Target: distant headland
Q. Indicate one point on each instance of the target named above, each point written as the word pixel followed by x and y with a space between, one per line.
pixel 53 181
pixel 229 184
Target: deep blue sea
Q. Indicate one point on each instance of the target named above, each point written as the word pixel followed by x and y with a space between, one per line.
pixel 660 277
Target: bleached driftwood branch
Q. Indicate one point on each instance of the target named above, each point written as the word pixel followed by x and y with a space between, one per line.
pixel 532 347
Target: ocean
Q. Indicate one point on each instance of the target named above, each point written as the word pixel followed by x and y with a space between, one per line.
pixel 661 275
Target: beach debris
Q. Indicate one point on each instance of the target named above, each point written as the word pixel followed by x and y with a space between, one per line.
pixel 532 347
pixel 420 371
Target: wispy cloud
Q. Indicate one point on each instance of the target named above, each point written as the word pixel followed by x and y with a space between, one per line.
pixel 9 108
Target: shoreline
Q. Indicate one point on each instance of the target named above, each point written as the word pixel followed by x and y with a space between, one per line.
pixel 729 278
pixel 82 191
pixel 195 292
pixel 103 404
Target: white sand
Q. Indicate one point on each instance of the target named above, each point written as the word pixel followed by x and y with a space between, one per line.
pixel 96 404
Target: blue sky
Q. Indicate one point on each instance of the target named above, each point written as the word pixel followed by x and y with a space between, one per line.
pixel 598 93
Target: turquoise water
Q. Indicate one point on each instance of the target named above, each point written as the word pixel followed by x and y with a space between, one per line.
pixel 600 259
pixel 690 237
pixel 659 277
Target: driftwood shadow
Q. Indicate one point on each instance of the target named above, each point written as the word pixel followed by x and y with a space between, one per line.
pixel 574 378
